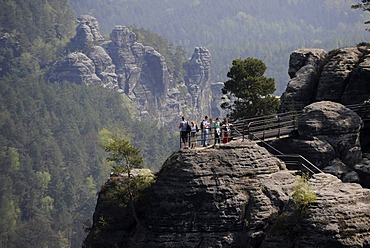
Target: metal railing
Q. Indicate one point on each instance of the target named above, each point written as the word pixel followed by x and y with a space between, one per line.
pixel 198 140
pixel 267 127
pixel 293 161
pixel 271 127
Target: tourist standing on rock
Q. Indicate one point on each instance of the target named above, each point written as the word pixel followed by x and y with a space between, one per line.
pixel 217 127
pixel 204 126
pixel 184 131
pixel 193 134
pixel 226 131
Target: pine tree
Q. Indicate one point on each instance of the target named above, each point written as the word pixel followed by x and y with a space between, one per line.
pixel 248 90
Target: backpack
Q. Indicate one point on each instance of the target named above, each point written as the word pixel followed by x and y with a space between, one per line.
pixel 201 125
pixel 188 127
pixel 227 128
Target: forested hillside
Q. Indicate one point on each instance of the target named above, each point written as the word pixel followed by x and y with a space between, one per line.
pixel 51 165
pixel 267 30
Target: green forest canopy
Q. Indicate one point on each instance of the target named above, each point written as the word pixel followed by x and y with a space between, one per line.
pixel 51 164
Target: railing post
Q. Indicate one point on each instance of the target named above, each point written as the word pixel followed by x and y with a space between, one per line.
pixel 243 129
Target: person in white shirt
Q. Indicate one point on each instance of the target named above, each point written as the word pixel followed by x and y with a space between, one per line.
pixel 204 127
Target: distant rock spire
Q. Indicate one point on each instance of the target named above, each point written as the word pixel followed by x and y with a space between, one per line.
pixel 87 32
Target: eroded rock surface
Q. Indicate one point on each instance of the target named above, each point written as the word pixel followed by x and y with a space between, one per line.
pixel 329 137
pixel 304 70
pixel 338 218
pixel 237 196
pixel 340 75
pixel 77 68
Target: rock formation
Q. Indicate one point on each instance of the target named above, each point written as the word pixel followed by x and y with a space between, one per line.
pixel 329 137
pixel 75 67
pixel 197 80
pixel 138 71
pixel 104 67
pixel 339 76
pixel 235 196
pixel 304 69
pixel 142 72
pixel 87 33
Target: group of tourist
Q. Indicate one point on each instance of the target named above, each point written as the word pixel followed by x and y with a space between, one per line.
pixel 208 128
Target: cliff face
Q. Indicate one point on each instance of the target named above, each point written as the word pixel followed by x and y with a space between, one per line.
pixel 235 196
pixel 137 71
pixel 341 75
pixel 197 81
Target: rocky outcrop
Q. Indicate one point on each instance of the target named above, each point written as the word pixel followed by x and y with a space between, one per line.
pixel 77 68
pixel 235 196
pixel 336 73
pixel 142 72
pixel 341 76
pixel 139 71
pixel 304 69
pixel 358 82
pixel 316 75
pixel 329 137
pixel 198 71
pixel 338 218
pixel 87 33
pixel 104 67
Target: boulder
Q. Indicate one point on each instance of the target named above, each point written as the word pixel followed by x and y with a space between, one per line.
pixel 335 124
pixel 336 168
pixel 328 135
pixel 328 118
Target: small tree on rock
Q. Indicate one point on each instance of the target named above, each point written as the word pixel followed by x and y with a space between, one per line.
pixel 125 156
pixel 248 90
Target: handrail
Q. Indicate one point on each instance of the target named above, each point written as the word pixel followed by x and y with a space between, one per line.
pixel 301 158
pixel 270 126
pixel 210 136
pixel 281 155
pixel 273 127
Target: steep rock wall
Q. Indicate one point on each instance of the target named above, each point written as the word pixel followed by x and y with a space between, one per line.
pixel 235 196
